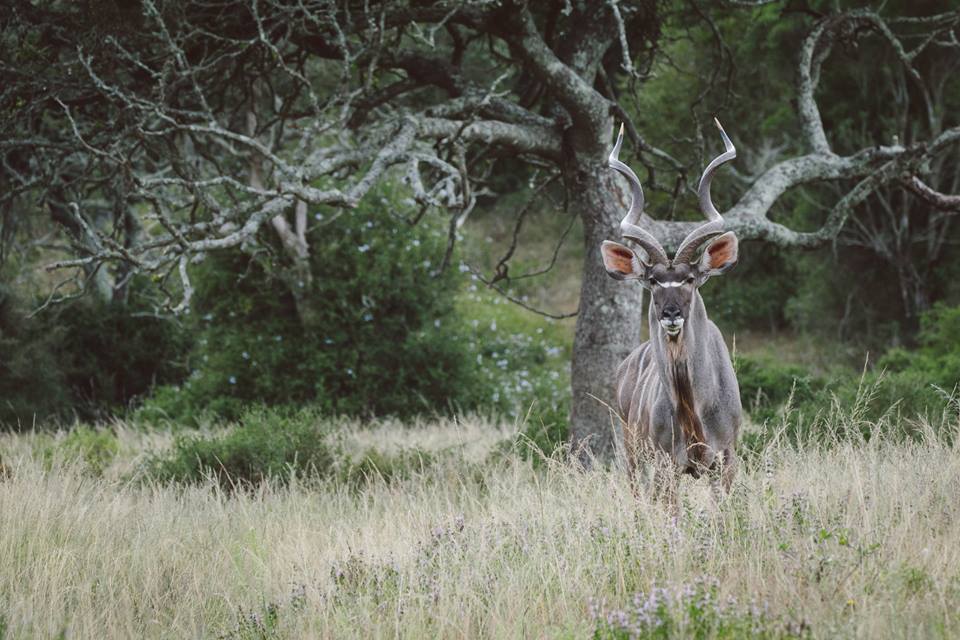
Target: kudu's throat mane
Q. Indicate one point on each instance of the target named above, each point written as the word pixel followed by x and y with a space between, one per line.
pixel 686 412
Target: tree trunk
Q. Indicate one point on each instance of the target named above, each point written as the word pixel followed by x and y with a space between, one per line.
pixel 131 232
pixel 611 313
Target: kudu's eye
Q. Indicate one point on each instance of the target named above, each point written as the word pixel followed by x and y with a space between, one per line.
pixel 689 280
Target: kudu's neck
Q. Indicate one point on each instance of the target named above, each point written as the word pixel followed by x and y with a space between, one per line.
pixel 685 347
pixel 680 362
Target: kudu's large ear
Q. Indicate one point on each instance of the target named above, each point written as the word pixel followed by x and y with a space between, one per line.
pixel 720 255
pixel 621 262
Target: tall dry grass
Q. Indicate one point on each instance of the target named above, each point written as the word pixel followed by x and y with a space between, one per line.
pixel 859 539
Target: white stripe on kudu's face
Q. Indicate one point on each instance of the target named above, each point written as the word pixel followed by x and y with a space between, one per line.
pixel 669 284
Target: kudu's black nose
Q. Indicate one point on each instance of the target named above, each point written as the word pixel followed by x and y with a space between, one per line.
pixel 671 313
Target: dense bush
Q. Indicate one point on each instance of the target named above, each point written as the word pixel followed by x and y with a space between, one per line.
pixel 388 334
pixel 892 396
pixel 265 444
pixel 904 385
pixel 377 465
pixel 376 334
pixel 32 386
pixel 765 385
pixel 278 445
pixel 83 358
pixel 937 356
pixel 94 448
pixel 523 363
pixel 799 406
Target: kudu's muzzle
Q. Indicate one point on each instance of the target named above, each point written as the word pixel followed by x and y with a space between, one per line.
pixel 671 319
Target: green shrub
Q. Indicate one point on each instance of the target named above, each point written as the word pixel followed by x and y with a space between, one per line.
pixel 540 439
pixel 84 358
pixel 851 406
pixel 938 353
pixel 902 387
pixel 890 397
pixel 765 385
pixel 377 332
pixel 374 465
pixel 523 363
pixel 95 448
pixel 32 385
pixel 908 394
pixel 277 444
pixel 265 444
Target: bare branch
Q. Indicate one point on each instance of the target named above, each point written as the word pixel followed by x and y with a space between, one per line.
pixel 519 302
pixel 939 200
pixel 809 74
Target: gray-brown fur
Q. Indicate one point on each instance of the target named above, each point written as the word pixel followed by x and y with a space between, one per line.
pixel 677 393
pixel 678 396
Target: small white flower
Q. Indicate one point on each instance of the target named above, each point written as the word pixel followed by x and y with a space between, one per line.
pixel 363 248
pixel 245 355
pixel 415 242
pixel 367 317
pixel 233 380
pixel 493 326
pixel 436 323
pixel 318 216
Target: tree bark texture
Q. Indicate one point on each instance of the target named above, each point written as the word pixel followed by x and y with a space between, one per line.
pixel 609 323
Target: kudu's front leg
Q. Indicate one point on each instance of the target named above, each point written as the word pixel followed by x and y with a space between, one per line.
pixel 723 474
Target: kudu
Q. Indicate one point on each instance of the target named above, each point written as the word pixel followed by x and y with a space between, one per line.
pixel 677 393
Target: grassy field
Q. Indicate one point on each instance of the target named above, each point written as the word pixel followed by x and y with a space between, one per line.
pixel 852 540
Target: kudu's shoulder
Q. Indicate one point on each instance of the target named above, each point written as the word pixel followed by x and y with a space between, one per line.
pixel 633 361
